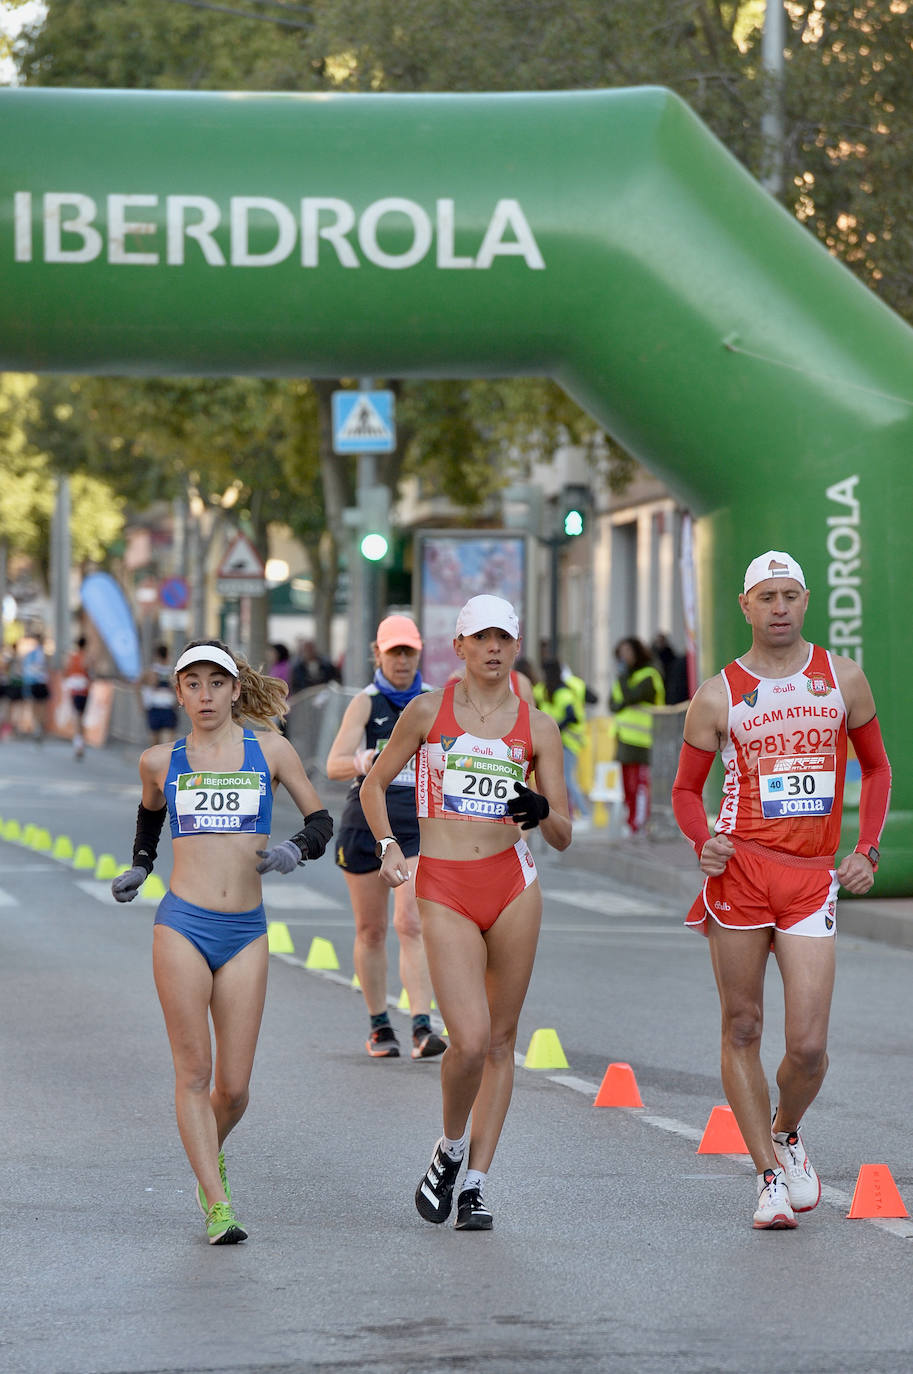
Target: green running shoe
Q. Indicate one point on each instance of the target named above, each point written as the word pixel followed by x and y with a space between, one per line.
pixel 201 1196
pixel 222 1226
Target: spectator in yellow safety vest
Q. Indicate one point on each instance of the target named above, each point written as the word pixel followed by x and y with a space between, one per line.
pixel 566 704
pixel 636 690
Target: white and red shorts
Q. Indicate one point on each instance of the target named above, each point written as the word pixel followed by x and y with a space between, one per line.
pixel 764 888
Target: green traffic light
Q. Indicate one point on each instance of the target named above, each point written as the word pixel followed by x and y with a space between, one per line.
pixel 374 547
pixel 573 523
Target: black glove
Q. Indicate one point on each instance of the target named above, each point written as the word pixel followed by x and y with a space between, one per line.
pixel 126 885
pixel 527 807
pixel 316 835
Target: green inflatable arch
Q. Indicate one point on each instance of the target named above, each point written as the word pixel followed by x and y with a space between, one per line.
pixel 605 239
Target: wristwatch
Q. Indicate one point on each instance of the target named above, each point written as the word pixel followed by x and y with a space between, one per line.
pixel 380 847
pixel 870 852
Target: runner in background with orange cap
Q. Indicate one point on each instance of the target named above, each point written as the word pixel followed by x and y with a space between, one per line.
pixel 363 732
pixel 780 716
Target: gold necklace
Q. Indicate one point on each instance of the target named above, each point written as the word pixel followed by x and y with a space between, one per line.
pixel 483 717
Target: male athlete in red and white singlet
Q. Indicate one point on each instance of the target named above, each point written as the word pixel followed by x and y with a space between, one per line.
pixel 780 716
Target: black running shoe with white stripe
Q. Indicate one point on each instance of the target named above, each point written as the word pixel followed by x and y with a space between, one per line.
pixel 472 1213
pixel 434 1195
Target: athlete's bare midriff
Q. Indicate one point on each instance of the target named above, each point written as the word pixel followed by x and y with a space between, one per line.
pixel 218 871
pixel 445 838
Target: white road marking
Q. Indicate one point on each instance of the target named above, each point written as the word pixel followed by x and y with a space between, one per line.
pixel 608 903
pixel 899 1227
pixel 613 929
pixel 101 891
pixel 297 897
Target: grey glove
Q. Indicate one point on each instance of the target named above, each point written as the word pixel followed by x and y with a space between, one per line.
pixel 281 858
pixel 126 885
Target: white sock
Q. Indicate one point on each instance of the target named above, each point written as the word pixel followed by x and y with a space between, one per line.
pixel 454 1148
pixel 474 1179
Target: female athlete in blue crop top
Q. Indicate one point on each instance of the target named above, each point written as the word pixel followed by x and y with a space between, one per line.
pixel 209 945
pixel 476 881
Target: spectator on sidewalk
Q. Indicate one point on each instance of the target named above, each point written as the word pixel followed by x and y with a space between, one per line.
pixel 564 703
pixel 636 690
pixel 310 668
pixel 673 667
pixel 35 687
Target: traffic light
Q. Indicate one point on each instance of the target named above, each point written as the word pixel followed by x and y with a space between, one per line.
pixel 375 539
pixel 573 522
pixel 574 501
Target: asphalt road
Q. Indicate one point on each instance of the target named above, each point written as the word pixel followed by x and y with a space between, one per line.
pixel 616 1246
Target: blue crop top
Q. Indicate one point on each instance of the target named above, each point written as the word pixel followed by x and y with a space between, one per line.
pixel 210 803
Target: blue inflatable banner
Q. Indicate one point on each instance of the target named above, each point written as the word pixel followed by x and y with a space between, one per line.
pixel 104 601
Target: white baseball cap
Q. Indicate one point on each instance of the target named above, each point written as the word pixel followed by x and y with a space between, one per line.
pixel 773 563
pixel 207 653
pixel 485 612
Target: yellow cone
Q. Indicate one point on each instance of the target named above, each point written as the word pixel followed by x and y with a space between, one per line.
pixel 106 867
pixel 83 858
pixel 63 849
pixel 403 1003
pixel 545 1052
pixel 321 954
pixel 41 840
pixel 12 832
pixel 29 833
pixel 278 939
pixel 153 889
pixel 355 983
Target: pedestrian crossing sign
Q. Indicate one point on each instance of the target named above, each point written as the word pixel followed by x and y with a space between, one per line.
pixel 363 422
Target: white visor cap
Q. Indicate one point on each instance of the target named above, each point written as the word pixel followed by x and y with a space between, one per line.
pixel 773 563
pixel 207 653
pixel 485 612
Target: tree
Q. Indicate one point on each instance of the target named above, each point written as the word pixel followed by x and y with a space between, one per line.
pixel 28 481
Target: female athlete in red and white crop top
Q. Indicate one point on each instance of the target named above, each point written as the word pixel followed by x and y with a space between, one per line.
pixel 476 745
pixel 467 776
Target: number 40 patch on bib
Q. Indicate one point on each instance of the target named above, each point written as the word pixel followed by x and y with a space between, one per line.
pixel 801 785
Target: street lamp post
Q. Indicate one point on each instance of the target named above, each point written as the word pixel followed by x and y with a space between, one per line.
pixel 60 571
pixel 773 39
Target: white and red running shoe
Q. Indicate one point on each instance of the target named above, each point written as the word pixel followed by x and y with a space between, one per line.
pixel 802 1183
pixel 774 1212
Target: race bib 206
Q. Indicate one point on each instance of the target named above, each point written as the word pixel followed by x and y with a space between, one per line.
pixel 479 787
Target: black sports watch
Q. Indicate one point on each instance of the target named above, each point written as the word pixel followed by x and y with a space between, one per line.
pixel 380 847
pixel 870 852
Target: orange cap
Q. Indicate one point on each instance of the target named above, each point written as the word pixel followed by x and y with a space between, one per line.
pixel 395 630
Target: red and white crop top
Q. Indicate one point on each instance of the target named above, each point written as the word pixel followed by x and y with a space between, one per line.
pixel 461 776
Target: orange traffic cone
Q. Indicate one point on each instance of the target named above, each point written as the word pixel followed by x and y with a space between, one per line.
pixel 618 1088
pixel 722 1135
pixel 876 1194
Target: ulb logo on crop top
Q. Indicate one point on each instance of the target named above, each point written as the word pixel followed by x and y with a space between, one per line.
pixel 217 802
